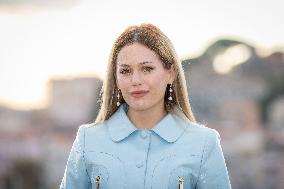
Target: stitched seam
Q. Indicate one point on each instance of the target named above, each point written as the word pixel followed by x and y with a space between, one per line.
pixel 107 172
pixel 147 156
pixel 157 163
pixel 171 175
pixel 83 154
pixel 115 157
pixel 202 158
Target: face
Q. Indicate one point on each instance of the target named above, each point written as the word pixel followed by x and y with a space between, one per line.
pixel 141 77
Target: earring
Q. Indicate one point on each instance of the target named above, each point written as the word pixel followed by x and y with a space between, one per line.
pixel 170 91
pixel 118 103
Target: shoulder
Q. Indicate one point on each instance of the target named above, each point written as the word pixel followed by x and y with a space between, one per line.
pixel 202 129
pixel 92 135
pixel 194 128
pixel 207 139
pixel 205 135
pixel 91 129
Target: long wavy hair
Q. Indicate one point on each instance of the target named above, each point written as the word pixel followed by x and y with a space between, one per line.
pixel 153 38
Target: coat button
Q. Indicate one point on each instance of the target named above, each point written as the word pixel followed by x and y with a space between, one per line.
pixel 143 134
pixel 140 164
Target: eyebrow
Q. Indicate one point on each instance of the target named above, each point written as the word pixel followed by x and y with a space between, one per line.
pixel 145 62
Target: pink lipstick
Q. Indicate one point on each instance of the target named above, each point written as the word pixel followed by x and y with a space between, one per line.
pixel 138 94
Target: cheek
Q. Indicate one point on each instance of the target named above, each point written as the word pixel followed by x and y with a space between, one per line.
pixel 158 84
pixel 123 84
pixel 119 81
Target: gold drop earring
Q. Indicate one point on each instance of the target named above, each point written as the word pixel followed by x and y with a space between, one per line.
pixel 118 96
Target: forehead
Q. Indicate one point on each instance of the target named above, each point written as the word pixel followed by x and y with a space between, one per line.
pixel 136 53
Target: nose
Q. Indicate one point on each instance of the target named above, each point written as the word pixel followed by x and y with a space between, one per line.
pixel 136 79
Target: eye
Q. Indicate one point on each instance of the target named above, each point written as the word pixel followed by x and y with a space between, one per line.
pixel 124 71
pixel 147 69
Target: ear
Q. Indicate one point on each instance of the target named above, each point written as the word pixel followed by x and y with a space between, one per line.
pixel 172 74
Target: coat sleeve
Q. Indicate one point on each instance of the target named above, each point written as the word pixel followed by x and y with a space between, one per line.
pixel 213 171
pixel 75 175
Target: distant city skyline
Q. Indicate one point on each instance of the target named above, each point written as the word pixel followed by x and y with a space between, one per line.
pixel 44 41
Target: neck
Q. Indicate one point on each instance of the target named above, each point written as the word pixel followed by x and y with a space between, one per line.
pixel 147 119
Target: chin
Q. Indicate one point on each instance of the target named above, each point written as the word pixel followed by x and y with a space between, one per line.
pixel 139 106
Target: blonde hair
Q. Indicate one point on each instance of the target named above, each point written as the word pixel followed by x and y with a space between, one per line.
pixel 153 38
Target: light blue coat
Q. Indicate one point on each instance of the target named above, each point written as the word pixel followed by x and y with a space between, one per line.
pixel 129 158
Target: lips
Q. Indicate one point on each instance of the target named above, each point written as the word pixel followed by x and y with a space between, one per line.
pixel 138 94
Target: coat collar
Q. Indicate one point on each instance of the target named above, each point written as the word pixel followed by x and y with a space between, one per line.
pixel 170 128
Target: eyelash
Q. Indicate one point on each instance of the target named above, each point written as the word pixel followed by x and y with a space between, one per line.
pixel 125 71
pixel 148 69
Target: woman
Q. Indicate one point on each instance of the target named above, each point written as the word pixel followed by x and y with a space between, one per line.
pixel 145 135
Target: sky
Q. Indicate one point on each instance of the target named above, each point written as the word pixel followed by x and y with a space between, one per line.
pixel 47 39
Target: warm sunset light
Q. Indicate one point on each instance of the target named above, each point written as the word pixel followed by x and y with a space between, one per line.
pixel 39 41
pixel 233 56
pixel 219 124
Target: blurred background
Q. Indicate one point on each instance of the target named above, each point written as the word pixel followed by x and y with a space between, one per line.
pixel 53 57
